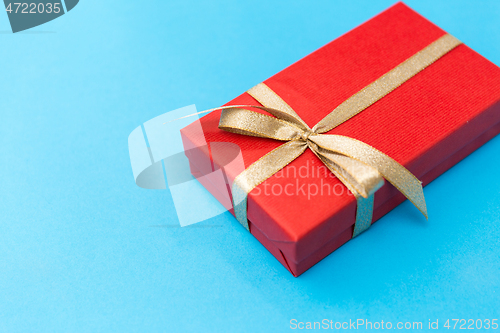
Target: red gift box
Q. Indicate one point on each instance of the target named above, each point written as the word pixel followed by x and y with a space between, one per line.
pixel 428 124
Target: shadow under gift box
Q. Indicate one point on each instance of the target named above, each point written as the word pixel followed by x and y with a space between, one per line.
pixel 428 124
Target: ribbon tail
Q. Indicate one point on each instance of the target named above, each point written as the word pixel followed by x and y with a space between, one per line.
pixel 391 170
pixel 358 176
pixel 258 172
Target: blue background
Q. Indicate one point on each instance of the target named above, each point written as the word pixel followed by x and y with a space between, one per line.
pixel 83 249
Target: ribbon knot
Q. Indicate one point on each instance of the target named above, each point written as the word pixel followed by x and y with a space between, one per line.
pixel 360 167
pixel 305 135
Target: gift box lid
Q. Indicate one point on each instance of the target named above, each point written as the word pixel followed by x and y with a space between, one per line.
pixel 420 124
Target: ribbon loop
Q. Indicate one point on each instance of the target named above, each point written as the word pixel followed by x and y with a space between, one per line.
pixel 278 107
pixel 246 122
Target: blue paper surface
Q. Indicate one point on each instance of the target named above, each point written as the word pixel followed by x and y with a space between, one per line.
pixel 84 249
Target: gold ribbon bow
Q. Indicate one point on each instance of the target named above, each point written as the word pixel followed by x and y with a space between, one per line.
pixel 359 166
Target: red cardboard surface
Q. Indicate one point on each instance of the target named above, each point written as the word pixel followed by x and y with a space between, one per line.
pixel 428 124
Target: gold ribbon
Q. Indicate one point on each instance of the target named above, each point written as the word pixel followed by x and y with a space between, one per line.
pixel 359 166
